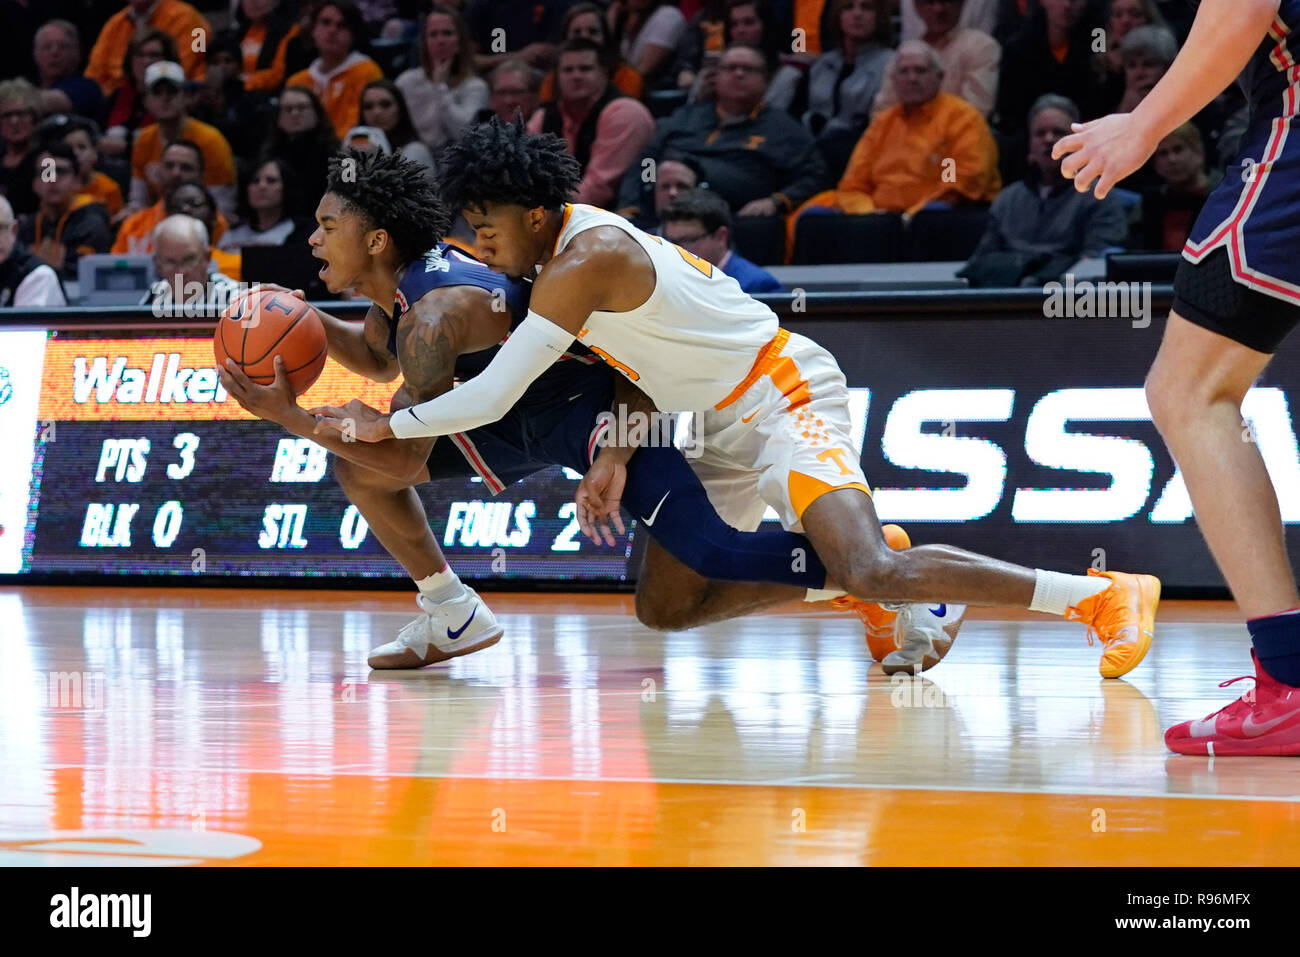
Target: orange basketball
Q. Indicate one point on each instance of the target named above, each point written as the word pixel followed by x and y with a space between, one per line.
pixel 267 323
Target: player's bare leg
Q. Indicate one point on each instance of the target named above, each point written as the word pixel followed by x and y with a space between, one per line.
pixel 670 596
pixel 847 534
pixel 1195 391
pixel 455 620
pixel 844 529
pixel 395 514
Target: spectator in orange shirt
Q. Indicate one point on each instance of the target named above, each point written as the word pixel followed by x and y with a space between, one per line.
pixel 194 199
pixel 264 29
pixel 182 162
pixel 165 99
pixel 932 147
pixel 81 135
pixel 340 72
pixel 813 19
pixel 177 19
pixel 66 224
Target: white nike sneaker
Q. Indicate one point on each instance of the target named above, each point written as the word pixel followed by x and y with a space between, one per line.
pixel 926 634
pixel 446 630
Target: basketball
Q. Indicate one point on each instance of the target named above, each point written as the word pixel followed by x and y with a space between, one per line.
pixel 266 323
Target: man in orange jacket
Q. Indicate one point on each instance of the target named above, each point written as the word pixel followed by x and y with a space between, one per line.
pixel 177 19
pixel 932 147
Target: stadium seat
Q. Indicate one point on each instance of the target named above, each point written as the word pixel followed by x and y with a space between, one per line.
pixel 944 235
pixel 663 102
pixel 391 55
pixel 760 239
pixel 1152 267
pixel 874 238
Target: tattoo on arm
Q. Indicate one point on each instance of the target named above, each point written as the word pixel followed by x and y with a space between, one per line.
pixel 427 347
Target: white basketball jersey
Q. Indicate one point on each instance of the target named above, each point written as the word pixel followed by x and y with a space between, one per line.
pixel 693 341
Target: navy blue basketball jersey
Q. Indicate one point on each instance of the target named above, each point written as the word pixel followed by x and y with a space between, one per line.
pixel 1254 211
pixel 446 265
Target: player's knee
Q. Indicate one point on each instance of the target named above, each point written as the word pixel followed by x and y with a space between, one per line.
pixel 1166 399
pixel 877 574
pixel 663 612
pixel 1177 404
pixel 353 478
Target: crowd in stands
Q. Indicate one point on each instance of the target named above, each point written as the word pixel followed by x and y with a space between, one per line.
pixel 705 120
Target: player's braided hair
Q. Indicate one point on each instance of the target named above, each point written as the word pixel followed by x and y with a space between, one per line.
pixel 392 193
pixel 497 162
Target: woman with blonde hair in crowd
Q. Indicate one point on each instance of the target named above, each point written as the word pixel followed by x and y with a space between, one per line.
pixel 19 110
pixel 341 68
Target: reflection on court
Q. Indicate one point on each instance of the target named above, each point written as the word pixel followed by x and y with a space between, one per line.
pixel 243 727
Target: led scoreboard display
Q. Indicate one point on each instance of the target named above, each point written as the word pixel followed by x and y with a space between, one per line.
pixel 1017 436
pixel 143 464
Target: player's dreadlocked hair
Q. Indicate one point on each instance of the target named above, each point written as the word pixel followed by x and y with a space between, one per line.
pixel 497 162
pixel 392 193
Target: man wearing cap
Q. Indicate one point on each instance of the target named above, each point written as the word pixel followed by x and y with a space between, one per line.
pixel 177 19
pixel 164 98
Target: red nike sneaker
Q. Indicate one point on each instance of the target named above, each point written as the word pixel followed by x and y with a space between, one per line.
pixel 1263 721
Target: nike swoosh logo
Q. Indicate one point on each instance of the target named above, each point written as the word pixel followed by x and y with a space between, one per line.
pixel 453 635
pixel 655 513
pixel 1253 729
pixel 940 612
pixel 750 416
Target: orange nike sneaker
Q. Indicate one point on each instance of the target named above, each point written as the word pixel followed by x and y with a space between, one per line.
pixel 880 623
pixel 1123 616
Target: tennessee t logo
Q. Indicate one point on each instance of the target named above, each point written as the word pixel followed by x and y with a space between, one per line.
pixel 838 456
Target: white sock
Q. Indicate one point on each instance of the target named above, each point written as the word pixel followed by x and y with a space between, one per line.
pixel 823 594
pixel 441 586
pixel 1056 592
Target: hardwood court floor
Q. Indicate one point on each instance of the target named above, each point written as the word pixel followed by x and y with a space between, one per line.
pixel 243 727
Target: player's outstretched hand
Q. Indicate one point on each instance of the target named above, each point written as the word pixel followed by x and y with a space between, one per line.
pixel 355 421
pixel 274 402
pixel 598 497
pixel 1104 151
